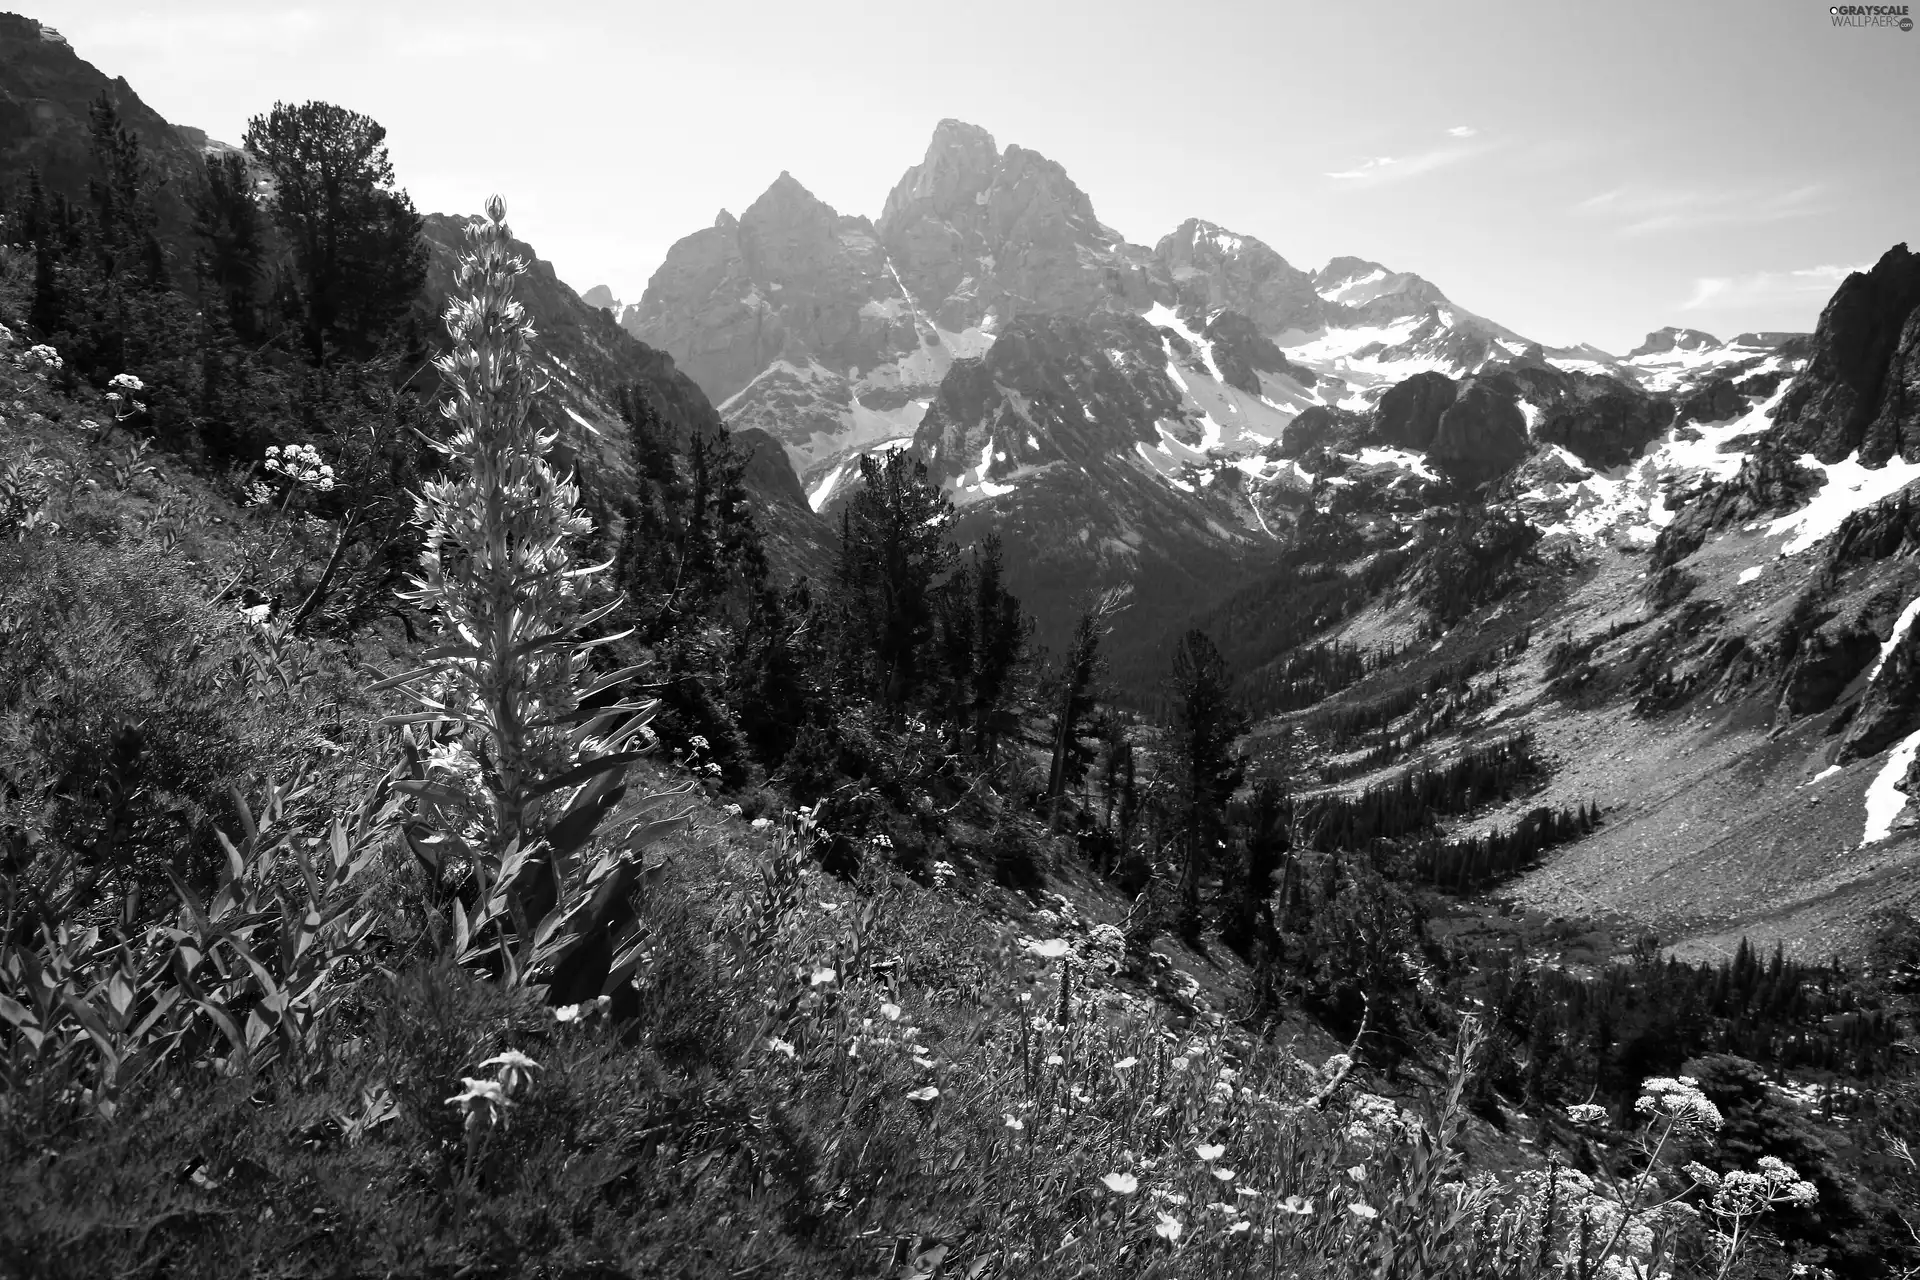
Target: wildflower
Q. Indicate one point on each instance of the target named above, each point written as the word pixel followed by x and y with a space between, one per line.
pixel 1244 1190
pixel 1051 949
pixel 1298 1206
pixel 41 353
pixel 891 1012
pixel 821 976
pixel 482 1101
pixel 1680 1101
pixel 1126 1062
pixel 1365 1212
pixel 1210 1152
pixel 1238 1227
pixel 1702 1175
pixel 927 1063
pixel 126 382
pixel 731 810
pixel 1224 1175
pixel 516 1069
pixel 776 1045
pixel 1014 1122
pixel 1178 1064
pixel 697 742
pixel 257 614
pixel 1121 1184
pixel 1358 1173
pixel 576 1012
pixel 926 1093
pixel 1054 1059
pixel 1168 1228
pixel 1587 1113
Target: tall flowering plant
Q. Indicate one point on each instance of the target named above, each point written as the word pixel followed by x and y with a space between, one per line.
pixel 509 678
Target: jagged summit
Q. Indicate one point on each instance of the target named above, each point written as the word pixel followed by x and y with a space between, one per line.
pixel 958 166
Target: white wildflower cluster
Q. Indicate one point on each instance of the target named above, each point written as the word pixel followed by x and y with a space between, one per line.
pixel 46 357
pixel 1680 1101
pixel 1740 1194
pixel 943 873
pixel 1373 1120
pixel 6 336
pixel 301 464
pixel 121 389
pixel 1587 1114
pixel 126 382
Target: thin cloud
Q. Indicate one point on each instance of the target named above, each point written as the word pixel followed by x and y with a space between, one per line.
pixel 1378 169
pixel 1638 211
pixel 1767 288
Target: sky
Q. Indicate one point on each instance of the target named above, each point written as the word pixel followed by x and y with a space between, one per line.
pixel 1577 172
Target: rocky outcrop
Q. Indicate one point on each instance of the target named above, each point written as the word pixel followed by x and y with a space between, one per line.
pixel 1890 708
pixel 1409 414
pixel 1243 353
pixel 1481 435
pixel 1718 401
pixel 1824 665
pixel 1324 427
pixel 1605 423
pixel 1855 392
pixel 602 297
pixel 1770 480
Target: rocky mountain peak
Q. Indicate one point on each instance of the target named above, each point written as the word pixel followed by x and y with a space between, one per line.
pixel 725 220
pixel 1344 270
pixel 602 297
pixel 1210 267
pixel 958 167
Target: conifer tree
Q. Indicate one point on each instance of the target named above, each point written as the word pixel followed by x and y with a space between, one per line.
pixel 1204 768
pixel 1073 698
pixel 354 239
pixel 893 550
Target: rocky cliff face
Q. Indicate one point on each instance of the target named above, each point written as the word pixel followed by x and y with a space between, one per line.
pixel 1856 392
pixel 1479 436
pixel 1409 414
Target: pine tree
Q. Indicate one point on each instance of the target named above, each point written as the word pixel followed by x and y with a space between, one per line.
pixel 1205 770
pixel 894 548
pixel 357 259
pixel 1073 697
pixel 232 258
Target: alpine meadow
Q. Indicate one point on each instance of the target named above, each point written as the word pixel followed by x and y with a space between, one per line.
pixel 946 745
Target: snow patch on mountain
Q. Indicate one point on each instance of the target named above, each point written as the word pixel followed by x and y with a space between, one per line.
pixel 1849 487
pixel 1884 799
